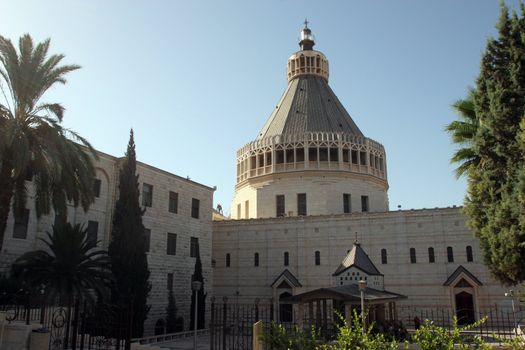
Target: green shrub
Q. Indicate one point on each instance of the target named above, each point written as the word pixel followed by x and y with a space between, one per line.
pixel 277 337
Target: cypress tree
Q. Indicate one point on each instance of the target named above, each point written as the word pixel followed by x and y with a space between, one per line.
pixel 496 187
pixel 201 306
pixel 127 248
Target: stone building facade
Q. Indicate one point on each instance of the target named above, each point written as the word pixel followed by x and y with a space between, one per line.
pixel 309 185
pixel 178 213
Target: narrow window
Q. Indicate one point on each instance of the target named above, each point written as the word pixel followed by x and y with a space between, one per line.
pixel 170 281
pixel 364 204
pixel 383 256
pixel 286 259
pixel 195 204
pixel 279 199
pixel 279 157
pixel 256 259
pixel 354 157
pixel 412 255
pixel 334 154
pixel 431 256
pixel 301 204
pixel 347 206
pixel 96 187
pixel 289 156
pixel 92 232
pixel 228 259
pixel 469 254
pixel 171 248
pixel 174 202
pixel 312 154
pixel 317 258
pixel 194 247
pixel 450 254
pixel 147 195
pixel 21 223
pixel 269 158
pixel 147 239
pixel 247 209
pixel 362 157
pixel 323 154
pixel 299 154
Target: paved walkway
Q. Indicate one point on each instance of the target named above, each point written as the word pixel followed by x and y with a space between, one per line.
pixel 203 343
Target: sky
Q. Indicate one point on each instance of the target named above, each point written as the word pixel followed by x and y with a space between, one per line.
pixel 197 80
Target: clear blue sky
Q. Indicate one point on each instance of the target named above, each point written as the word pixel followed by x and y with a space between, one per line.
pixel 198 79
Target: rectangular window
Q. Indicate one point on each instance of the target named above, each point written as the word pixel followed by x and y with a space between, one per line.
pixel 147 195
pixel 279 205
pixel 247 209
pixel 96 187
pixel 354 157
pixel 301 204
pixel 174 202
pixel 92 231
pixel 450 254
pixel 194 247
pixel 170 281
pixel 362 157
pixel 147 239
pixel 171 244
pixel 21 223
pixel 195 204
pixel 364 204
pixel 347 204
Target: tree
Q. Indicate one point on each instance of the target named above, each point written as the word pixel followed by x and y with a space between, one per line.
pixel 171 314
pixel 71 266
pixel 127 248
pixel 463 132
pixel 201 296
pixel 496 186
pixel 32 141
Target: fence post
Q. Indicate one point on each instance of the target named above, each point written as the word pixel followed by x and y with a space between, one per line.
pixel 224 326
pixel 257 332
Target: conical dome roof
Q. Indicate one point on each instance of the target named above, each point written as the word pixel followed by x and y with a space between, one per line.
pixel 309 105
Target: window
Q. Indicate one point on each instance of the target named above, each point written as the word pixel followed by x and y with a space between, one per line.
pixel 354 157
pixel 238 211
pixel 362 158
pixel 301 204
pixel 364 204
pixel 96 187
pixel 228 259
pixel 450 254
pixel 21 222
pixel 147 238
pixel 170 281
pixel 92 231
pixel 256 259
pixel 279 204
pixel 147 195
pixel 347 206
pixel 412 255
pixel 195 204
pixel 194 247
pixel 246 209
pixel 174 202
pixel 286 259
pixel 383 256
pixel 431 257
pixel 317 258
pixel 469 254
pixel 172 244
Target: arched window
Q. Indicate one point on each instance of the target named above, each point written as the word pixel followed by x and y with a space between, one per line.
pixel 450 254
pixel 469 254
pixel 412 255
pixel 286 258
pixel 383 256
pixel 228 259
pixel 159 327
pixel 256 259
pixel 431 256
pixel 317 258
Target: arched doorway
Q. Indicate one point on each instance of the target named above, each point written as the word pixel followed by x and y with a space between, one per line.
pixel 464 308
pixel 285 310
pixel 159 327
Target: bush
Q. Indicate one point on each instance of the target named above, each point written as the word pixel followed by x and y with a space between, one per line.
pixel 277 337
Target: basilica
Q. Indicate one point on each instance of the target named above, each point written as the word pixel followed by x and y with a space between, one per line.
pixel 310 212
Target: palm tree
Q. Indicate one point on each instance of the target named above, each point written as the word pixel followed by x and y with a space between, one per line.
pixel 32 139
pixel 463 132
pixel 71 266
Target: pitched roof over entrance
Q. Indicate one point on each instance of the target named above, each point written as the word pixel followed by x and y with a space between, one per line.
pixel 358 258
pixel 461 270
pixel 287 276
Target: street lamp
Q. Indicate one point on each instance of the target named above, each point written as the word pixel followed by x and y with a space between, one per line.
pixel 195 286
pixel 511 295
pixel 362 288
